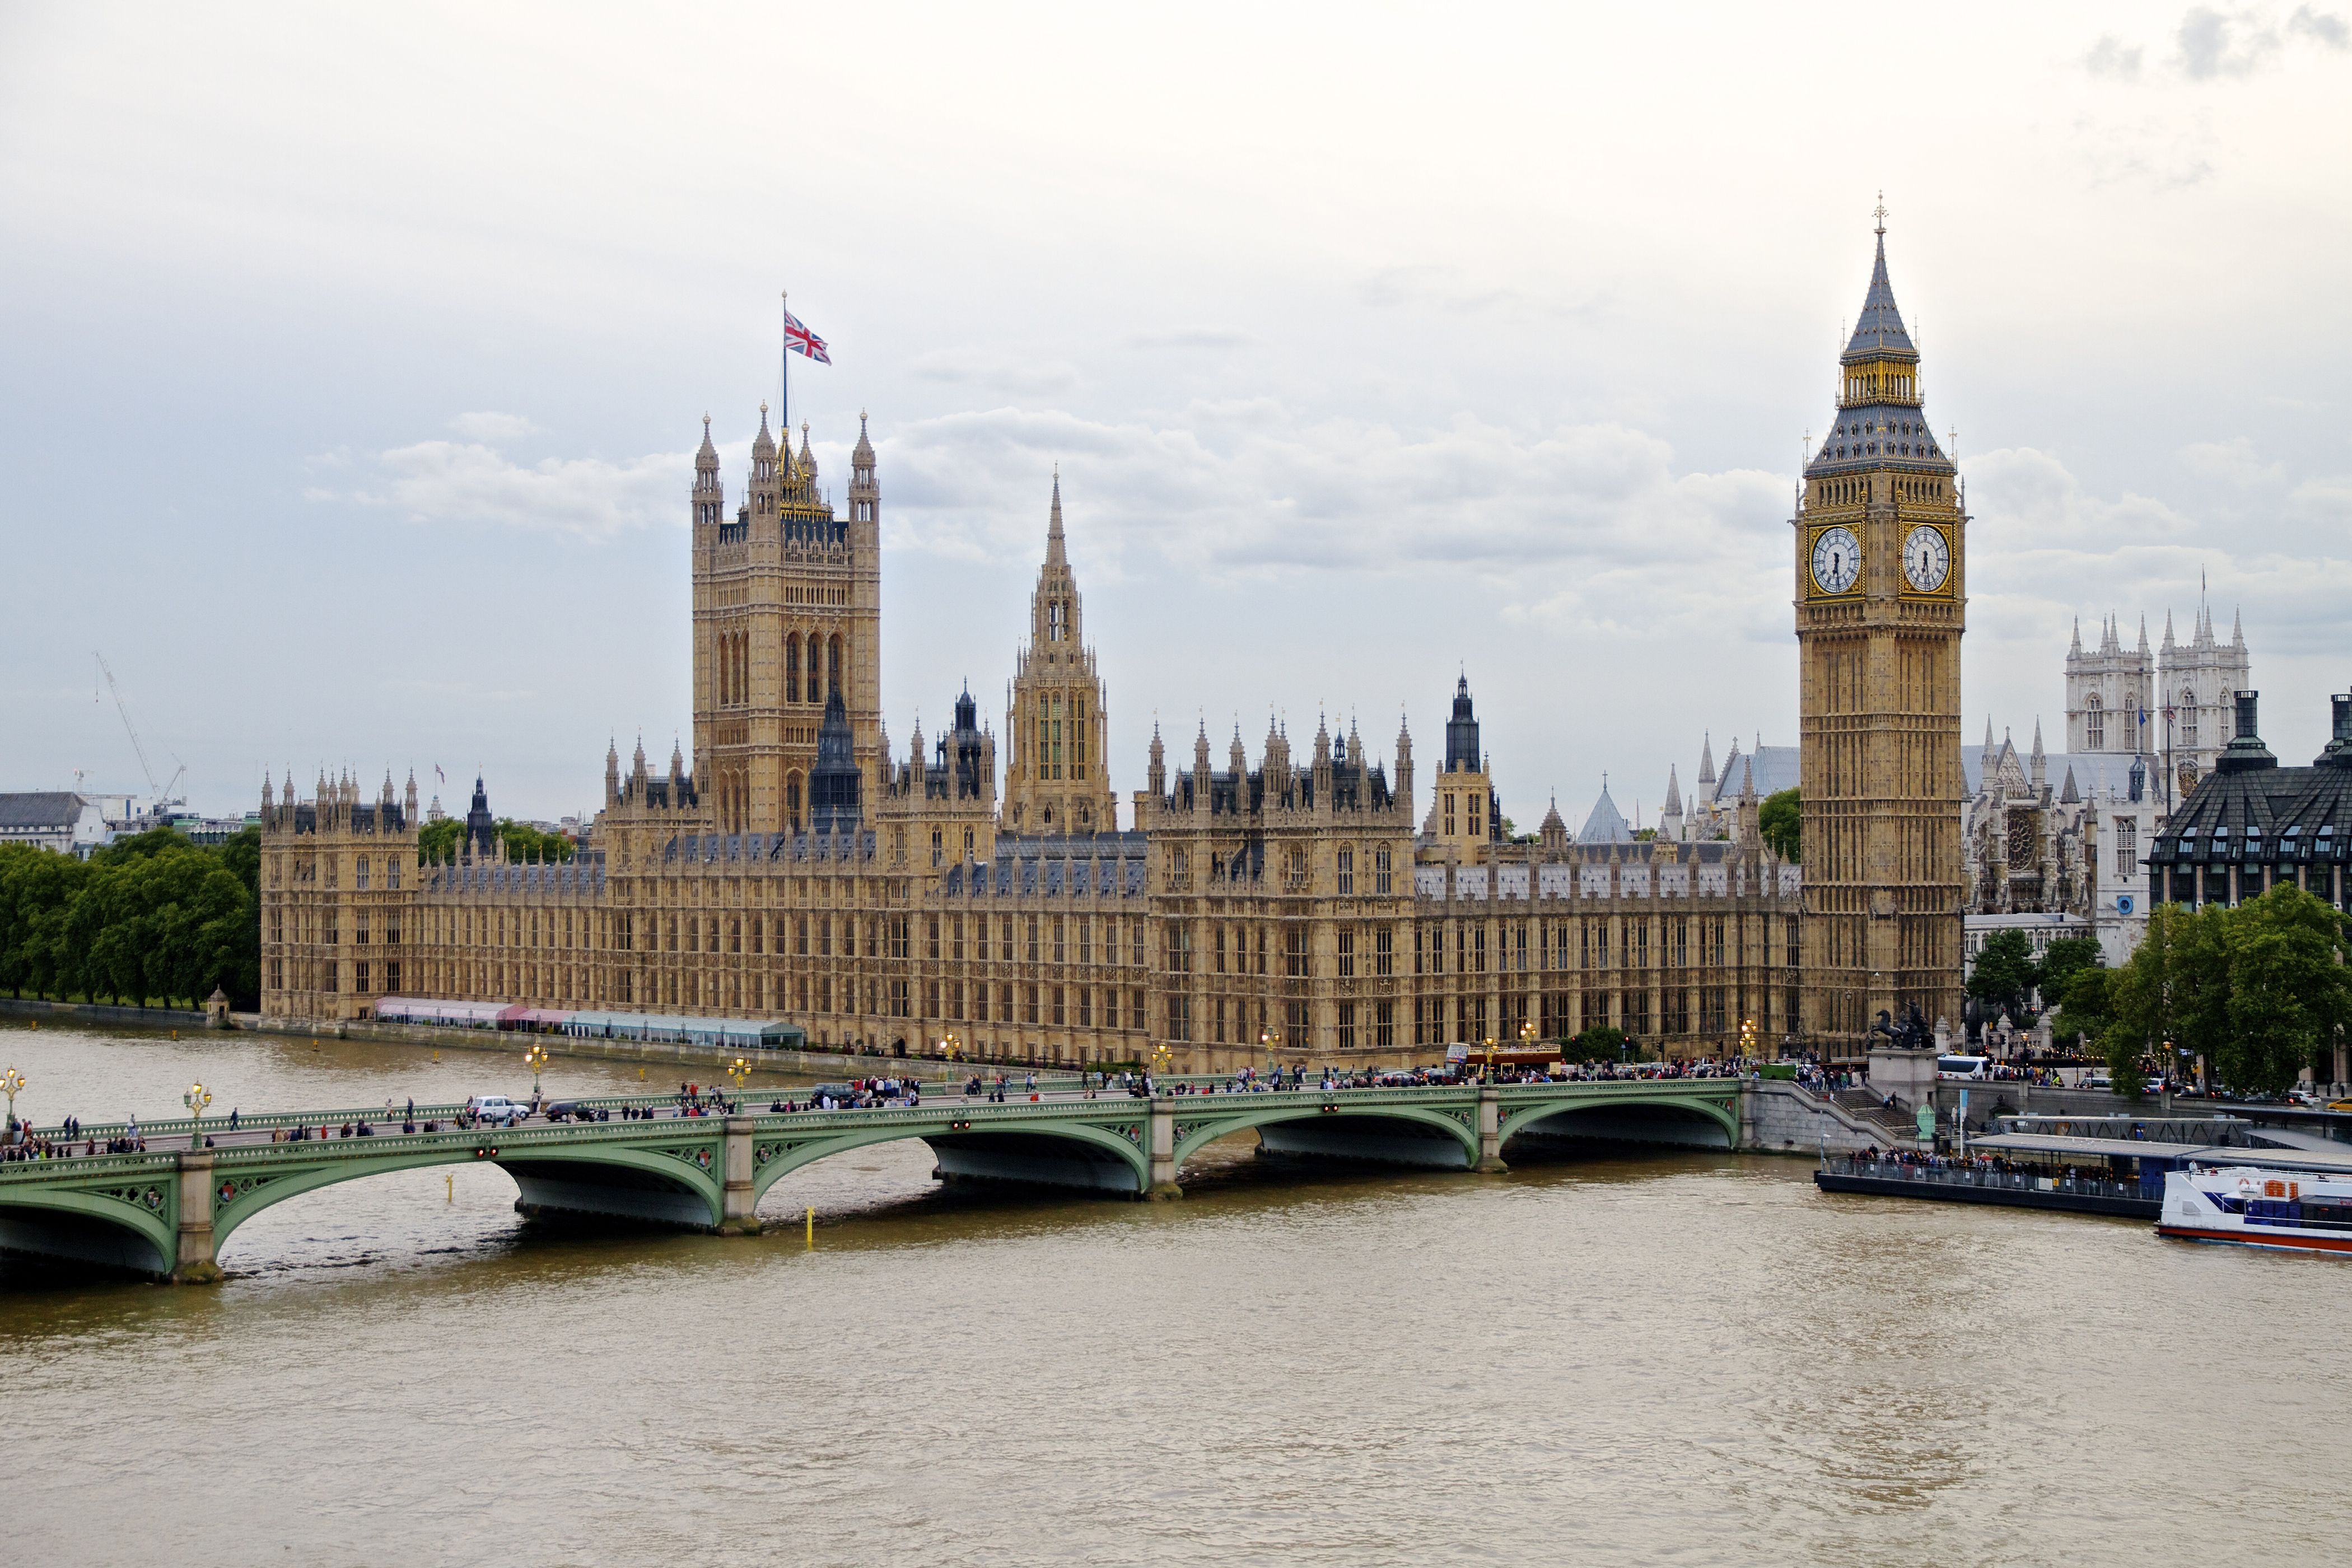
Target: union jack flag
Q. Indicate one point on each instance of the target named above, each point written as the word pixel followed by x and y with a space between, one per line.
pixel 800 340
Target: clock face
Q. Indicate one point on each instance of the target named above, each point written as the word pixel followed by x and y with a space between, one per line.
pixel 1837 560
pixel 1927 559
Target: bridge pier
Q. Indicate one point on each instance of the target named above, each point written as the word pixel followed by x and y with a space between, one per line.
pixel 736 1214
pixel 1163 1150
pixel 194 1259
pixel 1490 1130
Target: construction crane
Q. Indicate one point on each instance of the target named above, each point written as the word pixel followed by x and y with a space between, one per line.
pixel 161 791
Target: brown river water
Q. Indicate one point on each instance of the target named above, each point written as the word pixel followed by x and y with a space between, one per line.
pixel 1671 1359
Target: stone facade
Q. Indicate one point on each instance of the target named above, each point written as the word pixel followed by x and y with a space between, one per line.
pixel 1292 906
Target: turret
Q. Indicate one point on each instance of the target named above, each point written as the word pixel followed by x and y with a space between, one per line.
pixel 612 773
pixel 1404 767
pixel 707 498
pixel 865 489
pixel 1155 776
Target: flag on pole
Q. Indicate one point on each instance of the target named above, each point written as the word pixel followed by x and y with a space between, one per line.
pixel 799 340
pixel 439 774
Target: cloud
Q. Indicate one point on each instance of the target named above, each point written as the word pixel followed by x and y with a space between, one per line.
pixel 2232 462
pixel 2223 44
pixel 449 481
pixel 2043 548
pixel 2323 27
pixel 1586 521
pixel 2113 59
pixel 492 427
pixel 984 367
pixel 1190 338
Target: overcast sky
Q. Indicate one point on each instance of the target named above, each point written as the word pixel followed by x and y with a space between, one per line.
pixel 353 357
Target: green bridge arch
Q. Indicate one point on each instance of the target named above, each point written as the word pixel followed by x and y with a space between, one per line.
pixel 777 1154
pixel 136 1225
pixel 1191 1136
pixel 1524 1115
pixel 240 1195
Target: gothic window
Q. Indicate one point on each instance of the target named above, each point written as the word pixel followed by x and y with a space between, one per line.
pixel 1346 954
pixel 1383 950
pixel 1474 803
pixel 1448 819
pixel 2095 725
pixel 832 666
pixel 2189 718
pixel 1057 617
pixel 1381 874
pixel 792 668
pixel 360 874
pixel 1346 871
pixel 2127 845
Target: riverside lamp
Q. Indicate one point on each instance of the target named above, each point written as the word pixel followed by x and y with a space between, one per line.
pixel 536 1059
pixel 739 1073
pixel 10 1082
pixel 196 1099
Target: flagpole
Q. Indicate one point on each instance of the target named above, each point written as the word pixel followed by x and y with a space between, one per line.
pixel 784 366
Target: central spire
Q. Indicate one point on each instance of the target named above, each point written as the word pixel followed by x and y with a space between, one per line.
pixel 1056 553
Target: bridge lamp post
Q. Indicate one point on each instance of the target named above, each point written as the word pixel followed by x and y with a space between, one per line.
pixel 537 1058
pixel 739 1073
pixel 10 1082
pixel 196 1099
pixel 1490 1058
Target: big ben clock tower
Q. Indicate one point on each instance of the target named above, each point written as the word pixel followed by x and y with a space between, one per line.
pixel 1881 580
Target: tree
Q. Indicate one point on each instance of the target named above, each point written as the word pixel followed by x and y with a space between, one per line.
pixel 2064 958
pixel 2288 989
pixel 1601 1043
pixel 439 840
pixel 2004 971
pixel 1781 820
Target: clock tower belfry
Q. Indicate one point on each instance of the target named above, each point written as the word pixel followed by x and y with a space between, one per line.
pixel 1881 604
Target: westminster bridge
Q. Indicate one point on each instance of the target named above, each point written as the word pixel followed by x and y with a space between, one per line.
pixel 166 1209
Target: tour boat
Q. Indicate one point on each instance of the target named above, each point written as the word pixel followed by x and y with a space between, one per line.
pixel 2256 1207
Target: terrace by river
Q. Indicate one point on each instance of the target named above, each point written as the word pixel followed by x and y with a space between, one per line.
pixel 1678 1357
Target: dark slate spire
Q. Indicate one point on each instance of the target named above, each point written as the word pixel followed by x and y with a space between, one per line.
pixel 832 783
pixel 1462 731
pixel 1878 331
pixel 481 828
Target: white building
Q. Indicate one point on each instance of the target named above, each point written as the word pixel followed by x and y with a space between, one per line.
pixel 53 819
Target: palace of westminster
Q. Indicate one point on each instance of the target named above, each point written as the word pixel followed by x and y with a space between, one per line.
pixel 1305 905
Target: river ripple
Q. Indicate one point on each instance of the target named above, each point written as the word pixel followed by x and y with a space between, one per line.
pixel 1683 1359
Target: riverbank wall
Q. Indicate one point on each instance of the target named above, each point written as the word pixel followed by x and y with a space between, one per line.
pixel 114 1016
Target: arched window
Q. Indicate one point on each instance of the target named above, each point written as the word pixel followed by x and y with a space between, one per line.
pixel 792 802
pixel 1346 871
pixel 2095 725
pixel 792 668
pixel 2189 718
pixel 815 692
pixel 832 666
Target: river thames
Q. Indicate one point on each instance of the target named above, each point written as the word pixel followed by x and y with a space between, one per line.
pixel 1673 1359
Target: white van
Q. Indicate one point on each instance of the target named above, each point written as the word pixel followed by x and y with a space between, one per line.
pixel 496 1110
pixel 1965 1069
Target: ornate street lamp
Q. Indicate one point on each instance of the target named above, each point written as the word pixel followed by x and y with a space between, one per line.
pixel 1490 1058
pixel 196 1099
pixel 537 1057
pixel 739 1073
pixel 10 1082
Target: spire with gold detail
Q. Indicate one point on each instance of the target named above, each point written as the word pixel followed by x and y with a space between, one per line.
pixel 1880 412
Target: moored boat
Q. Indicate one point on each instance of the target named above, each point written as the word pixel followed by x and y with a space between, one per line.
pixel 2253 1206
